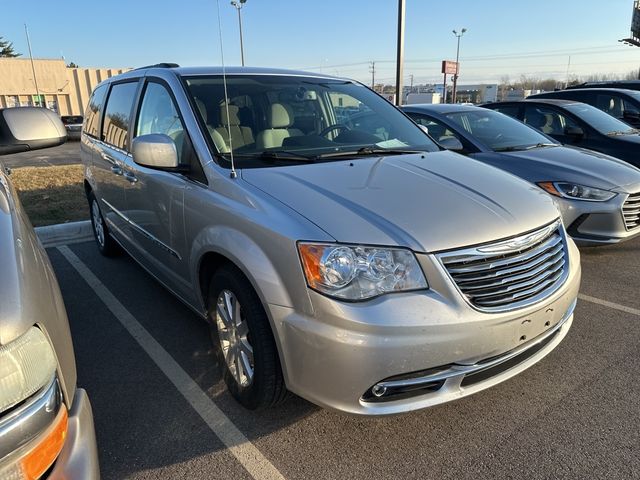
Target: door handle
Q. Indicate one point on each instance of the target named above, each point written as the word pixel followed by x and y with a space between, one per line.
pixel 116 169
pixel 130 176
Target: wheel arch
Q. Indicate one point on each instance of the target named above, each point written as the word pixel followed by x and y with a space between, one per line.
pixel 220 246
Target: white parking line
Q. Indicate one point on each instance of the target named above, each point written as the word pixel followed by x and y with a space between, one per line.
pixel 240 447
pixel 606 303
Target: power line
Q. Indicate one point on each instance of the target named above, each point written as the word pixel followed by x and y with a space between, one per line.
pixel 506 56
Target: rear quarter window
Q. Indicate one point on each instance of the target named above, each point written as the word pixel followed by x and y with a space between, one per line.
pixel 92 113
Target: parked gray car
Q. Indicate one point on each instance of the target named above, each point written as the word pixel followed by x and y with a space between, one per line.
pixel 46 424
pixel 355 264
pixel 598 195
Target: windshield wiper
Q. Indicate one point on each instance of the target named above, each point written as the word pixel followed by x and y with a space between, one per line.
pixel 631 131
pixel 520 148
pixel 281 155
pixel 365 151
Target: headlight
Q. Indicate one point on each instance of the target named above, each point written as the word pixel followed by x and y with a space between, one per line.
pixel 357 272
pixel 26 365
pixel 576 192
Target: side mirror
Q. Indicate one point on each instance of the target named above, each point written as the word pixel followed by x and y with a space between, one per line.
pixel 576 132
pixel 29 128
pixel 155 150
pixel 452 144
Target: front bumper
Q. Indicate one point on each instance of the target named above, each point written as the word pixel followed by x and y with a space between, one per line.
pixel 336 356
pixel 596 223
pixel 30 434
pixel 79 456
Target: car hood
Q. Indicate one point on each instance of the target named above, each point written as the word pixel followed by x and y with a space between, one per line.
pixel 630 138
pixel 578 165
pixel 429 202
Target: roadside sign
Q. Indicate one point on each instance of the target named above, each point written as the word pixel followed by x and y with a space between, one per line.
pixel 449 67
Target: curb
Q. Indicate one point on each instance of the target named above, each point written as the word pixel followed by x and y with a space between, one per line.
pixel 65 233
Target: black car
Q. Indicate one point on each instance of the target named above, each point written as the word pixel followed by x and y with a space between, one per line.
pixel 73 125
pixel 620 103
pixel 627 84
pixel 577 124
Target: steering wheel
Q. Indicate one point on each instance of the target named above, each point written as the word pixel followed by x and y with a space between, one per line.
pixel 331 128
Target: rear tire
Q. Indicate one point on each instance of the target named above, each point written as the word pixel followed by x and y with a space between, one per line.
pixel 106 244
pixel 243 341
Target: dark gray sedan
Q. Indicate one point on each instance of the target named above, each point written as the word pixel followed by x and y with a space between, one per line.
pixel 598 195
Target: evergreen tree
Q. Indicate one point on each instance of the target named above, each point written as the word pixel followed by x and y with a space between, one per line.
pixel 6 49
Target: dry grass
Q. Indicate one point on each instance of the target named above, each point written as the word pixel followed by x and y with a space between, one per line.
pixel 51 194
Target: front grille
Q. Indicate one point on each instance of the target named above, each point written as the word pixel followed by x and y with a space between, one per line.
pixel 631 211
pixel 511 273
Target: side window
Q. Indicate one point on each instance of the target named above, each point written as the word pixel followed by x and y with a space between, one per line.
pixel 547 120
pixel 511 110
pixel 352 113
pixel 345 106
pixel 158 114
pixel 612 104
pixel 115 128
pixel 438 131
pixel 92 113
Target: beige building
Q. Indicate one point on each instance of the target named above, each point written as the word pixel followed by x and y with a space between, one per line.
pixel 65 90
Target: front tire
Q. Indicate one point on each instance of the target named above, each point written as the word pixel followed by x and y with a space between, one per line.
pixel 243 341
pixel 106 245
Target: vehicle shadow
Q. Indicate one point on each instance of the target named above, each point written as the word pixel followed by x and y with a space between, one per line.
pixel 143 422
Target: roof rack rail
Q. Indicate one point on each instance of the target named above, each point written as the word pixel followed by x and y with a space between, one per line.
pixel 159 65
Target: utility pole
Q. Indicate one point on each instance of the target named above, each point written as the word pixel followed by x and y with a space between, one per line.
pixel 372 70
pixel 239 4
pixel 33 68
pixel 400 52
pixel 411 84
pixel 454 95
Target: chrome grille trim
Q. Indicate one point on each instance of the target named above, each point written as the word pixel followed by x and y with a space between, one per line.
pixel 511 273
pixel 631 211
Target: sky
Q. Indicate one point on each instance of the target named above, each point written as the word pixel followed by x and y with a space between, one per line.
pixel 504 37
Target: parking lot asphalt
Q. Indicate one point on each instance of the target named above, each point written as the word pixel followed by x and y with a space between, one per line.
pixel 66 154
pixel 146 360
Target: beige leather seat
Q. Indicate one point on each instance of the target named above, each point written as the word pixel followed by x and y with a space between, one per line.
pixel 279 118
pixel 240 136
pixel 218 139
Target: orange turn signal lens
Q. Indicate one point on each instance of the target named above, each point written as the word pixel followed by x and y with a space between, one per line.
pixel 311 255
pixel 38 461
pixel 549 187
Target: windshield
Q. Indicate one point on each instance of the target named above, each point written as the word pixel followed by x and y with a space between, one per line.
pixel 497 131
pixel 272 118
pixel 601 121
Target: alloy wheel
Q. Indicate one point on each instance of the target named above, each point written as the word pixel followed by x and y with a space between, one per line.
pixel 233 334
pixel 97 222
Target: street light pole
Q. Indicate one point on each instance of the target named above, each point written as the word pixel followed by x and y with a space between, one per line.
pixel 400 52
pixel 239 4
pixel 33 68
pixel 454 95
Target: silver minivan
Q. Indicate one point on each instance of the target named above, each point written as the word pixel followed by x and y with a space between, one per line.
pixel 336 251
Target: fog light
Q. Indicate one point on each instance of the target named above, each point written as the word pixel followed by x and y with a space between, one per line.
pixel 378 390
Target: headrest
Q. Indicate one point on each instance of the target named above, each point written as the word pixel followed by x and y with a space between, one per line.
pixel 203 109
pixel 280 116
pixel 232 120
